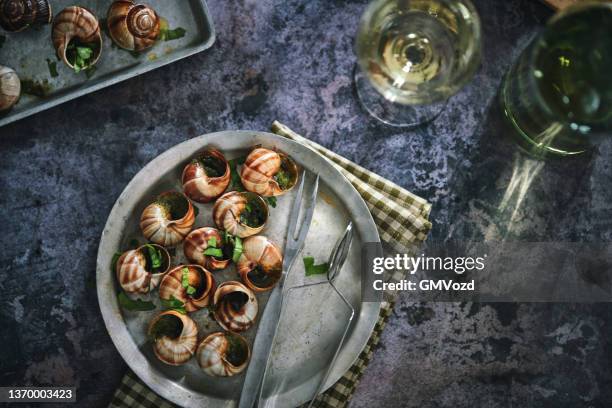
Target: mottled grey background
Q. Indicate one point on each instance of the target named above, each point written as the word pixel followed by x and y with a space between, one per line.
pixel 62 170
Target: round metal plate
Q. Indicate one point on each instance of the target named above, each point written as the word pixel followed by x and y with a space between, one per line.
pixel 313 320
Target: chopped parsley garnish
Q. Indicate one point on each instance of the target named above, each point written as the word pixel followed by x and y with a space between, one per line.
pixel 236 183
pixel 167 34
pixel 237 249
pixel 185 281
pixel 52 68
pixel 271 201
pixel 312 269
pixel 216 252
pixel 253 214
pixel 135 305
pixel 80 56
pixel 154 256
pixel 174 304
pixel 212 242
pixel 116 256
pixel 283 178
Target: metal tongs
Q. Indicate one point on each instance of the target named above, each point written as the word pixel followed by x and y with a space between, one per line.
pixel 336 261
pixel 268 325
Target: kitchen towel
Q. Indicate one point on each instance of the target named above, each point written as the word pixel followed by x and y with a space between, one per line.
pixel 402 219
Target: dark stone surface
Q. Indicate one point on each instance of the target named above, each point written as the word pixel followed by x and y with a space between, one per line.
pixel 62 170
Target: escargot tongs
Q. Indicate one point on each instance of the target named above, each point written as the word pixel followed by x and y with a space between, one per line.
pixel 296 235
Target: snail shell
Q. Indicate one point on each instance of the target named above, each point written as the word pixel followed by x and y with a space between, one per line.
pixel 132 26
pixel 16 15
pixel 206 177
pixel 223 354
pixel 79 24
pixel 196 243
pixel 235 306
pixel 168 220
pixel 268 173
pixel 199 278
pixel 261 263
pixel 175 337
pixel 229 208
pixel 10 88
pixel 134 271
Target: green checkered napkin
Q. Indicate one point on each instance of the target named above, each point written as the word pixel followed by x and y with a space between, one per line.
pixel 402 221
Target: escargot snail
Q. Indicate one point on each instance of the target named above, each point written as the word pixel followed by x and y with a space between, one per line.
pixel 76 37
pixel 10 88
pixel 235 306
pixel 132 26
pixel 192 285
pixel 206 177
pixel 241 214
pixel 223 354
pixel 268 173
pixel 260 264
pixel 206 247
pixel 167 220
pixel 174 336
pixel 16 15
pixel 140 270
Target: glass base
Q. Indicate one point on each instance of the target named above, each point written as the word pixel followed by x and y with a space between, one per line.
pixel 390 113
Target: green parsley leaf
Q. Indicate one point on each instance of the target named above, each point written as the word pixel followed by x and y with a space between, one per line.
pixel 212 242
pixel 137 305
pixel 216 252
pixel 271 201
pixel 52 68
pixel 116 256
pixel 166 34
pixel 185 277
pixel 155 255
pixel 174 304
pixel 236 183
pixel 185 281
pixel 237 249
pixel 312 269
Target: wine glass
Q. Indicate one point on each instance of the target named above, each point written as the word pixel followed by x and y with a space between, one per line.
pixel 558 94
pixel 413 55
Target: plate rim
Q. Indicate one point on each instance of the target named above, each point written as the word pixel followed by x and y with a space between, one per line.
pixel 112 314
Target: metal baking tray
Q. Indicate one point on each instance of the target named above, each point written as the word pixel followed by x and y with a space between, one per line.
pixel 27 53
pixel 312 322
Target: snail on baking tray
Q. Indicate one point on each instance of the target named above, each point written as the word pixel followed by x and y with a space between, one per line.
pixel 268 173
pixel 174 336
pixel 206 177
pixel 167 220
pixel 132 26
pixel 10 88
pixel 140 270
pixel 207 247
pixel 260 264
pixel 241 214
pixel 223 354
pixel 76 37
pixel 235 306
pixel 17 15
pixel 191 285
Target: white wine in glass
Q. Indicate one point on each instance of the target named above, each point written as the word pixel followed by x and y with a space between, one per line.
pixel 413 55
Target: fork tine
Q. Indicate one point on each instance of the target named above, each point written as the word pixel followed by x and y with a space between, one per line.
pixel 295 210
pixel 309 211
